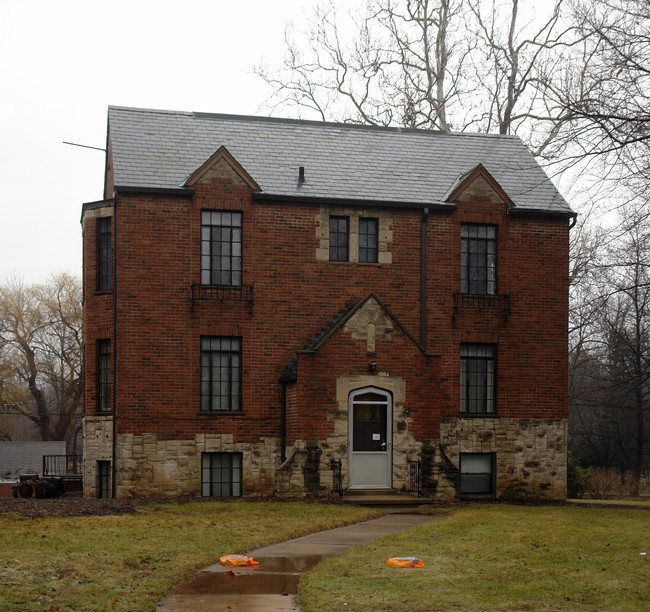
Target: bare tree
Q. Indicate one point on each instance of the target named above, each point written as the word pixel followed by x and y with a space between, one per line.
pixel 610 363
pixel 606 90
pixel 403 63
pixel 444 64
pixel 516 58
pixel 40 331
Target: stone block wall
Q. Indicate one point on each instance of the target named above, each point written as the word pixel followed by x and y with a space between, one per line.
pixel 150 467
pixel 530 455
pixel 98 446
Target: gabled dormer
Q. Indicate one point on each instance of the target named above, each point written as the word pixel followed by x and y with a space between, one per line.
pixel 478 185
pixel 221 166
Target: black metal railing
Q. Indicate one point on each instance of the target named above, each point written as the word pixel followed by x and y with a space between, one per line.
pixel 482 302
pixel 415 478
pixel 223 293
pixel 62 465
pixel 337 476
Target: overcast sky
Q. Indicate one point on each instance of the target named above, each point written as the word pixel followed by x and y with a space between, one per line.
pixel 63 63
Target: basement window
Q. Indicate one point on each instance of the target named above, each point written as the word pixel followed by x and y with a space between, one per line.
pixel 477 474
pixel 221 474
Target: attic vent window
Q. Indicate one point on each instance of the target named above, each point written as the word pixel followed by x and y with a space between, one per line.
pixel 301 174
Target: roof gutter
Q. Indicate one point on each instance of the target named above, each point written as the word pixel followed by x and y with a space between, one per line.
pixel 183 192
pixel 262 196
pixel 542 212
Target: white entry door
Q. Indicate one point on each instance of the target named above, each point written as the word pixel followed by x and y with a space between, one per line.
pixel 369 450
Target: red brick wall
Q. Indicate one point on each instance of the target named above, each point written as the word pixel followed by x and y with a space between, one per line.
pixel 158 333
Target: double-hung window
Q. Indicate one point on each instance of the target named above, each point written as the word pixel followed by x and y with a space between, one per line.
pixel 220 374
pixel 477 378
pixel 476 473
pixel 368 238
pixel 478 272
pixel 339 238
pixel 104 254
pixel 221 474
pixel 221 248
pixel 104 378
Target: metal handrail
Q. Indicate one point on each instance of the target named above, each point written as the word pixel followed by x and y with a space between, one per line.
pixel 482 302
pixel 337 476
pixel 230 293
pixel 62 465
pixel 415 477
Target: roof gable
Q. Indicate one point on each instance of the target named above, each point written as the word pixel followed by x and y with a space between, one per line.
pixel 478 184
pixel 366 320
pixel 221 165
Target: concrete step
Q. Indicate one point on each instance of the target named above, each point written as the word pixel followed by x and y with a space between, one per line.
pixel 384 499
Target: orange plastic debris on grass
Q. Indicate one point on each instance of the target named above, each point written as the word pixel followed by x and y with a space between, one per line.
pixel 237 560
pixel 405 562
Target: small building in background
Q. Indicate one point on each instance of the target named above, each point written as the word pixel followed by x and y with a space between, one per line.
pixel 21 458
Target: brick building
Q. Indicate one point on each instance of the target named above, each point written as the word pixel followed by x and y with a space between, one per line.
pixel 266 298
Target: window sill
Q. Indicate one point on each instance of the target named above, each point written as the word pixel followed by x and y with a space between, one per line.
pixel 220 413
pixel 479 415
pixel 477 496
pixel 358 263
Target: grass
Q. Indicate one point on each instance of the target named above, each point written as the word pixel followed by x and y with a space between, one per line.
pixel 496 557
pixel 130 562
pixel 626 502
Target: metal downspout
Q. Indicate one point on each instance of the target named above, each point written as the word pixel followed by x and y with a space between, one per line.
pixel 423 279
pixel 283 421
pixel 114 349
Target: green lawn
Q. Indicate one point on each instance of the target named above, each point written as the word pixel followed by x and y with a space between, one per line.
pixel 130 562
pixel 497 557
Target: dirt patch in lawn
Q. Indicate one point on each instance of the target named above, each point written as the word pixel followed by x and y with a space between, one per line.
pixel 76 505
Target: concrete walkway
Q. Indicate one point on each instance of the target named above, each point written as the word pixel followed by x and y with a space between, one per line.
pixel 273 585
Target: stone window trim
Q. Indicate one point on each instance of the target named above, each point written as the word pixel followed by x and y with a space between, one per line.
pixel 384 234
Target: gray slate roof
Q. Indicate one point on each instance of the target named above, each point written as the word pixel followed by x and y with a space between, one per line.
pixel 160 149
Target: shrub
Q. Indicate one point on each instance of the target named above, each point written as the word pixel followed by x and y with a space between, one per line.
pixel 611 484
pixel 577 477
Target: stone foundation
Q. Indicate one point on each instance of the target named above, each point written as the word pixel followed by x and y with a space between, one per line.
pixel 530 455
pixel 148 467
